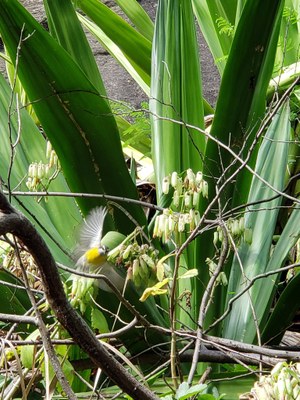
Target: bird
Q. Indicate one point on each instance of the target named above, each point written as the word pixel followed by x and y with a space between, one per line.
pixel 91 254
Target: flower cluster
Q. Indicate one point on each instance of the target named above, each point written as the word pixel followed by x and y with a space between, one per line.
pixel 173 223
pixel 182 216
pixel 221 278
pixel 187 190
pixel 39 174
pixel 237 230
pixel 282 383
pixel 141 263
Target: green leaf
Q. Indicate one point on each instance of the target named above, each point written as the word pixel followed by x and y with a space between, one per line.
pixel 138 74
pixel 241 106
pixel 135 46
pixel 98 321
pixel 174 83
pixel 137 16
pixel 65 27
pixel 253 258
pixel 28 352
pixel 54 219
pixel 185 391
pixel 75 117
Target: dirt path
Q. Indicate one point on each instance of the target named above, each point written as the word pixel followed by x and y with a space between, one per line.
pixel 118 83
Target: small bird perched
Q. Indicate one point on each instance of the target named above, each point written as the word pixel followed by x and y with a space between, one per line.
pixel 92 254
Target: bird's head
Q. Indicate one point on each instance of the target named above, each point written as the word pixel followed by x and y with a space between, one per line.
pixel 96 255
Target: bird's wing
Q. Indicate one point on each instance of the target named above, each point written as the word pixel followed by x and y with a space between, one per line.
pixel 92 229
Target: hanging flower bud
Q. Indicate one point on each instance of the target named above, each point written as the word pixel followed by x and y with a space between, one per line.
pixel 179 186
pixel 235 228
pixel 198 178
pixel 248 235
pixel 29 183
pixel 192 219
pixel 166 184
pixel 216 238
pixel 40 171
pixel 242 224
pixel 197 217
pixel 188 199
pixel 181 223
pixel 48 149
pixel 174 179
pixel 205 189
pixel 156 227
pixel 190 178
pixel 196 197
pixel 176 198
pixel 135 267
pixel 172 223
pixel 130 274
pixel 127 252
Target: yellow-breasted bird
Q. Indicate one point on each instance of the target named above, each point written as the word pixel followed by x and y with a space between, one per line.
pixel 91 254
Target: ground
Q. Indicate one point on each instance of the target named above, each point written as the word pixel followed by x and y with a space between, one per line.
pixel 118 83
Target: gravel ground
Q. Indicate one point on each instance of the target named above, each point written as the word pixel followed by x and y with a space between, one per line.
pixel 118 83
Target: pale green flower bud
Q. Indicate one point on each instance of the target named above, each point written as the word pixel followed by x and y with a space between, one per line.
pixel 281 387
pixel 47 170
pixel 127 252
pixel 166 184
pixel 179 186
pixel 143 266
pixel 248 235
pixel 197 217
pixel 235 228
pixel 198 178
pixel 211 265
pixel 161 226
pixel 156 227
pixel 192 219
pixel 205 189
pixel 29 183
pixel 242 224
pixel 48 149
pixel 130 274
pixel 174 179
pixel 188 199
pixel 216 238
pixel 181 223
pixel 223 279
pixel 176 198
pixel 278 367
pixel 172 223
pixel 196 197
pixel 135 268
pixel 40 171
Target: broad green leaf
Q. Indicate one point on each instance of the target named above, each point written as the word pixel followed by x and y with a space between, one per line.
pixel 138 74
pixel 56 217
pixel 135 46
pixel 65 27
pixel 253 258
pixel 12 300
pixel 241 106
pixel 28 352
pixel 288 303
pixel 174 83
pixel 76 119
pixel 137 16
pixel 207 13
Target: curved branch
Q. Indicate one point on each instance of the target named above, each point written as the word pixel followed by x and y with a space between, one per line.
pixel 11 221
